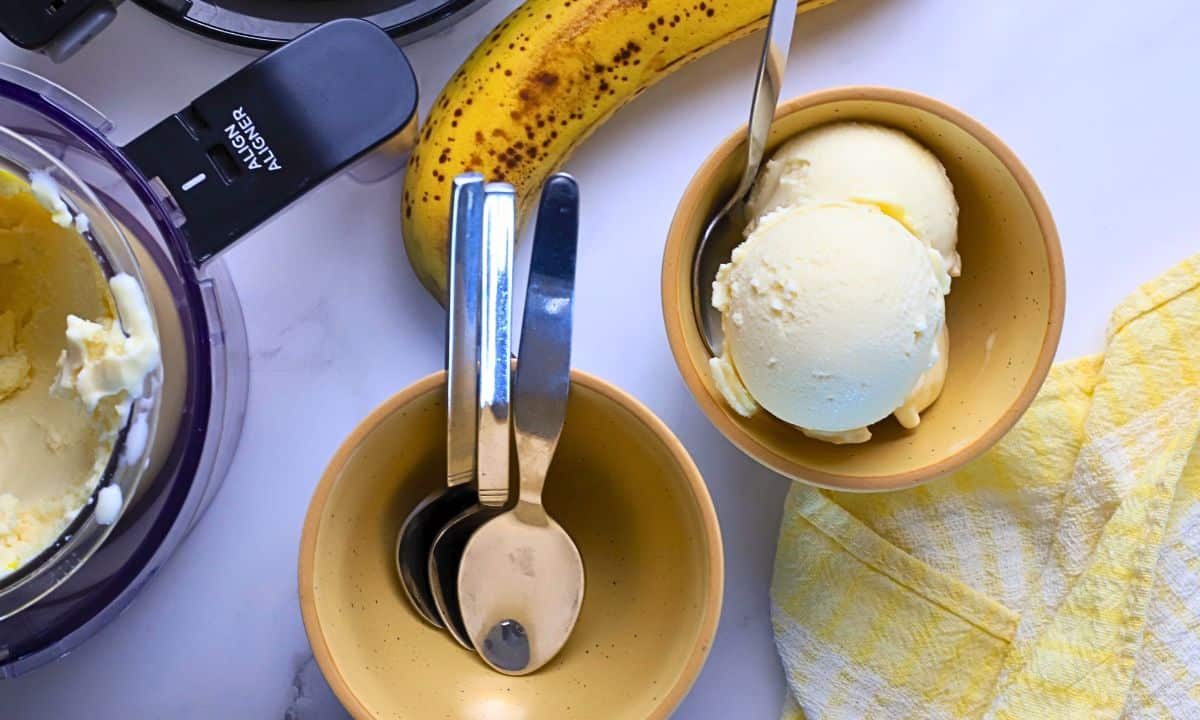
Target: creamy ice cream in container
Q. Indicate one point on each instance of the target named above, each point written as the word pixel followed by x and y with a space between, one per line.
pixel 80 370
pixel 833 307
pixel 123 363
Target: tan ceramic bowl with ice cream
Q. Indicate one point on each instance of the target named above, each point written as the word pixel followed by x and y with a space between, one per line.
pixel 624 488
pixel 1004 313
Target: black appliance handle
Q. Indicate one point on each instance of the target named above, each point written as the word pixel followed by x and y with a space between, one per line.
pixel 276 129
pixel 56 28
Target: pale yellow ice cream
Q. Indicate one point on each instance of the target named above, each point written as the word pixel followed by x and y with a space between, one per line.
pixel 864 163
pixel 66 383
pixel 928 386
pixel 859 223
pixel 831 316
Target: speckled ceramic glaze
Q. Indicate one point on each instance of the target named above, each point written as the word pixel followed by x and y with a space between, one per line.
pixel 1005 313
pixel 621 485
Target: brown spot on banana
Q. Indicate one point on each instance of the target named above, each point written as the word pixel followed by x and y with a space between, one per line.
pixel 522 113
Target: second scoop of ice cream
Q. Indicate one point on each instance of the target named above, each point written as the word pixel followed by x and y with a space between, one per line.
pixel 832 314
pixel 869 164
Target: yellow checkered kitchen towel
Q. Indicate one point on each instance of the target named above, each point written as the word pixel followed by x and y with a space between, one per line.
pixel 1056 577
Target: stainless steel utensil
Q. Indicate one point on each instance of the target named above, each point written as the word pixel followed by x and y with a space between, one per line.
pixel 520 581
pixel 495 368
pixel 421 527
pixel 724 231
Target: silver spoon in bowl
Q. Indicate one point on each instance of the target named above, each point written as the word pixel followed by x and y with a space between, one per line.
pixel 495 369
pixel 724 231
pixel 520 582
pixel 434 512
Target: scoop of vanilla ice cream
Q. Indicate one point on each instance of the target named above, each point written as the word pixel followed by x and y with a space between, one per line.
pixel 831 315
pixel 872 164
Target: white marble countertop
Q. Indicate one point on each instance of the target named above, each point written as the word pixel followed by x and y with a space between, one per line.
pixel 1098 97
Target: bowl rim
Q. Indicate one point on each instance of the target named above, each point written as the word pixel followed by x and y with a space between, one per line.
pixel 714 549
pixel 678 250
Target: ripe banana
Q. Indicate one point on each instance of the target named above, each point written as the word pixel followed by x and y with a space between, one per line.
pixel 539 85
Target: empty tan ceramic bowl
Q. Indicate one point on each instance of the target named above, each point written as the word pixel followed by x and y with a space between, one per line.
pixel 622 486
pixel 1005 313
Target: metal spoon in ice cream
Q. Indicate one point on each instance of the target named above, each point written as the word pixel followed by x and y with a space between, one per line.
pixel 724 231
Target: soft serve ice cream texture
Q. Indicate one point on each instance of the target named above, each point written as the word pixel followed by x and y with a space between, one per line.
pixel 63 398
pixel 833 307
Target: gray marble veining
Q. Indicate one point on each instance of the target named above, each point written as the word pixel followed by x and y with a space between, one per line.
pixel 1102 115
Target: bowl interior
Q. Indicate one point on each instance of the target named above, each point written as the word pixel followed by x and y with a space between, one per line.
pixel 1004 313
pixel 623 489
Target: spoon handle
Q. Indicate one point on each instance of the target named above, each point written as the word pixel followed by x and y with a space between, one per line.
pixel 544 368
pixel 495 362
pixel 767 87
pixel 462 329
